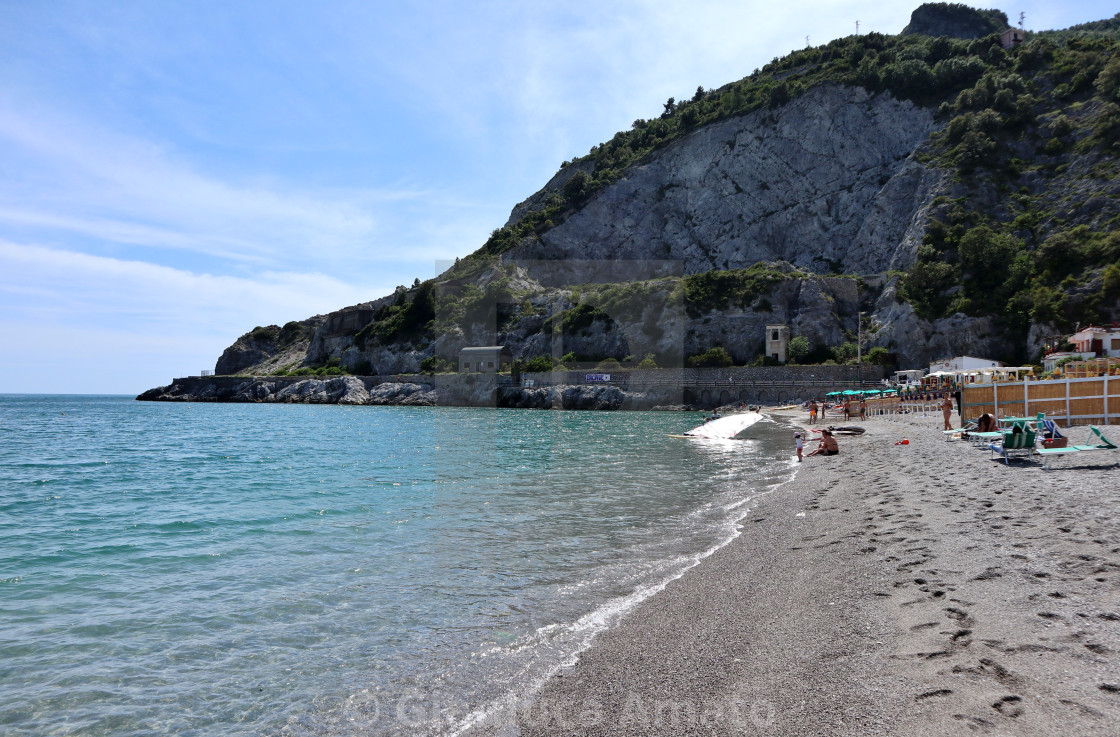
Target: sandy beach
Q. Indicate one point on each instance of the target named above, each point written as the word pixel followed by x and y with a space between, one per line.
pixel 921 589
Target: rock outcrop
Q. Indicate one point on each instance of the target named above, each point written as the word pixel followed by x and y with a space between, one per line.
pixel 269 348
pixel 353 390
pixel 955 20
pixel 827 183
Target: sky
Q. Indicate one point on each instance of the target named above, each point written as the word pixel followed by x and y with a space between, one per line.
pixel 174 174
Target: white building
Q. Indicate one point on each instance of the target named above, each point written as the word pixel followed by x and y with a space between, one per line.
pixel 961 363
pixel 1100 342
pixel 1050 360
pixel 909 376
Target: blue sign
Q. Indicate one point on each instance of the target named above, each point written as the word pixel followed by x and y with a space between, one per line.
pixel 596 377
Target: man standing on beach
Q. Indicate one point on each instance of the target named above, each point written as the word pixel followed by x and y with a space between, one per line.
pixel 813 412
pixel 947 411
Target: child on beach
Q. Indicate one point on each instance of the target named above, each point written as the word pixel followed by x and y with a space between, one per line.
pixel 797 439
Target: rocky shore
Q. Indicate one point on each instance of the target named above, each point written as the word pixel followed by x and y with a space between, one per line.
pixel 356 390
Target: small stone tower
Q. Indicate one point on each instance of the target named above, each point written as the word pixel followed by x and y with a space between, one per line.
pixel 777 342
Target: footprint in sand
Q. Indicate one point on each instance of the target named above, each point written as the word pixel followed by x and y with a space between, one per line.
pixel 934 693
pixel 1009 706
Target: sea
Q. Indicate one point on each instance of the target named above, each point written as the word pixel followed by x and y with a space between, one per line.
pixel 275 569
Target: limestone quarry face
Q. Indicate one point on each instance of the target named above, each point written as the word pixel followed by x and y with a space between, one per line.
pixel 828 183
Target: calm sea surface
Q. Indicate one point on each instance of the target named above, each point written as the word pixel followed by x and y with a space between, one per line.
pixel 208 569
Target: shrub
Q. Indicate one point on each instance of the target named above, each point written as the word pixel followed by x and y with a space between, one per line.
pixel 436 364
pixel 268 334
pixel 1111 278
pixel 538 364
pixel 609 364
pixel 648 362
pixel 878 356
pixel 712 358
pixel 844 352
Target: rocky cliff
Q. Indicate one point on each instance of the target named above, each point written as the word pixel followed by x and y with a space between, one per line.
pixel 828 183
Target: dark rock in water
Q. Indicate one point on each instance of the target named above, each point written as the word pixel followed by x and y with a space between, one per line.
pixel 955 21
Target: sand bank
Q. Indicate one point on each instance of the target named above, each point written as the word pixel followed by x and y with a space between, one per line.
pixel 903 590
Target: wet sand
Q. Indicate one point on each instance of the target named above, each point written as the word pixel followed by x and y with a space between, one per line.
pixel 923 589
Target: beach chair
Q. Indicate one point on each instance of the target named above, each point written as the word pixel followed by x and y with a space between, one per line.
pixel 1053 435
pixel 1014 442
pixel 1100 443
pixel 959 434
pixel 983 438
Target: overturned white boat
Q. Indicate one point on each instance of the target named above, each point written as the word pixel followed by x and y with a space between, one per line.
pixel 725 428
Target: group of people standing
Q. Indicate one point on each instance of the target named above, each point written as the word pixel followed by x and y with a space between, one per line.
pixel 846 407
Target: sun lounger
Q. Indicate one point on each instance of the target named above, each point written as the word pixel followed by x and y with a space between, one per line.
pixel 1047 453
pixel 966 428
pixel 983 437
pixel 1014 442
pixel 1102 443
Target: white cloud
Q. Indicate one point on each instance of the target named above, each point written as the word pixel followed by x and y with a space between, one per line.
pixel 74 178
pixel 129 321
pixel 89 283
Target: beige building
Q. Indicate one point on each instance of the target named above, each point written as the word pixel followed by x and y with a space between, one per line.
pixel 777 342
pixel 484 359
pixel 1012 37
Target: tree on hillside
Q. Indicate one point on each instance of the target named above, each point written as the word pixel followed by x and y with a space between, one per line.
pixel 799 347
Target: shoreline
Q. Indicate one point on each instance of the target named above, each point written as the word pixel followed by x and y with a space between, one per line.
pixel 919 589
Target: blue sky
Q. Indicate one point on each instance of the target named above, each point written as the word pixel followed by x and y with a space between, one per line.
pixel 174 174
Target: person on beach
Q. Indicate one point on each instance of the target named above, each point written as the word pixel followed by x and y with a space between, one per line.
pixel 800 445
pixel 813 407
pixel 862 409
pixel 986 423
pixel 947 411
pixel 828 446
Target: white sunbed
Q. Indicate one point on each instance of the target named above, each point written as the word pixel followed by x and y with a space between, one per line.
pixel 1102 443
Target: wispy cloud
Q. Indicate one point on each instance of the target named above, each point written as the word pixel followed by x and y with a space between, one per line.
pixel 120 189
pixel 81 285
pixel 64 310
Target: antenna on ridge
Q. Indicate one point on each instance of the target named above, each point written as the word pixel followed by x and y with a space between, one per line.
pixel 857 27
pixel 806 42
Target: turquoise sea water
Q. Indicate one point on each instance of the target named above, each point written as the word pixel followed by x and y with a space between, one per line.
pixel 211 569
